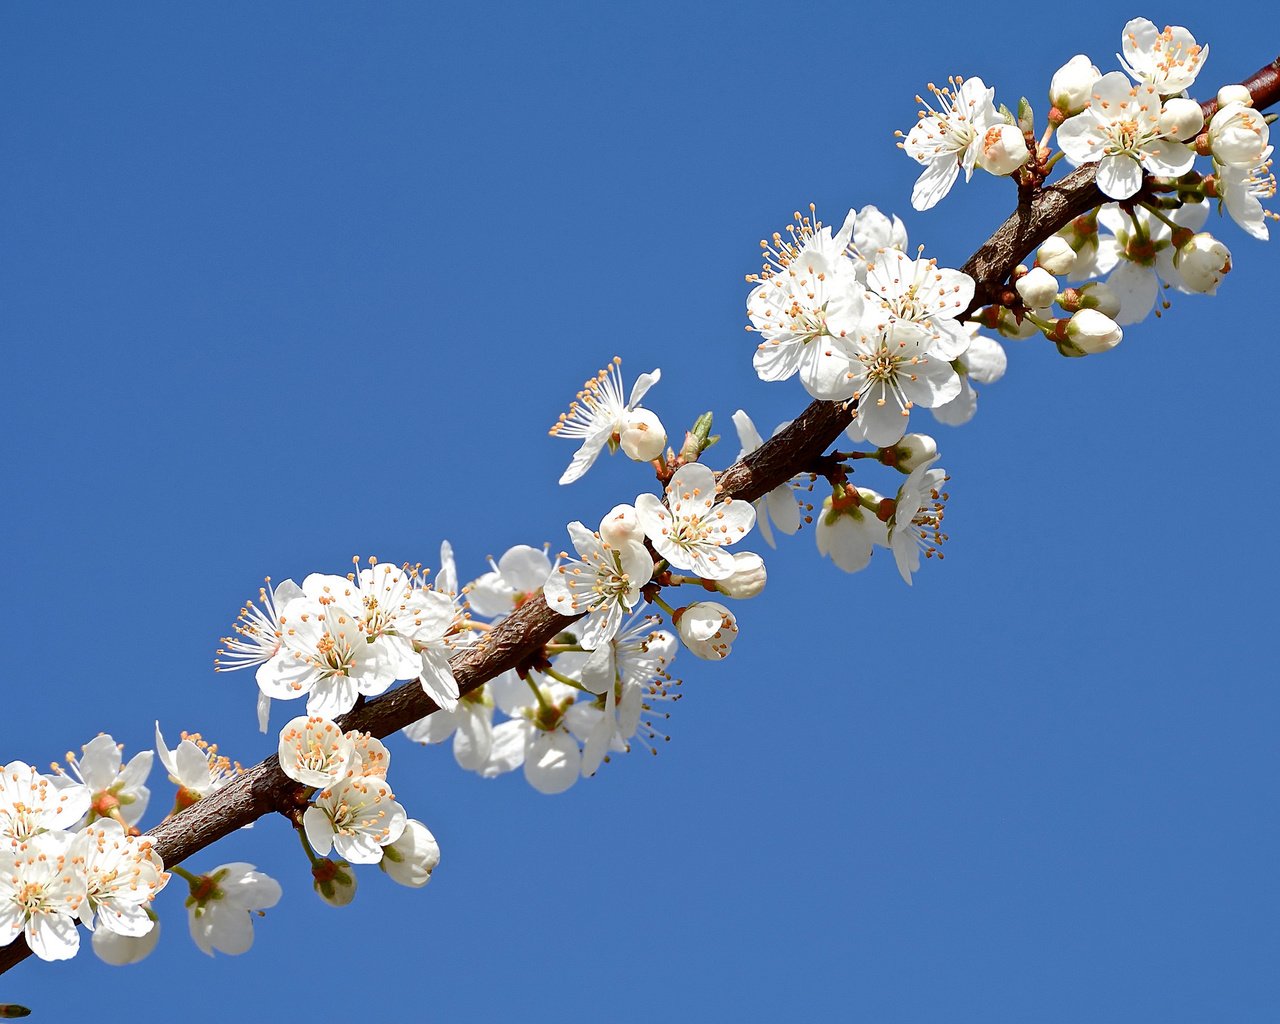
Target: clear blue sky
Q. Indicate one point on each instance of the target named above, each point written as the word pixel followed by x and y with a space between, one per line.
pixel 285 283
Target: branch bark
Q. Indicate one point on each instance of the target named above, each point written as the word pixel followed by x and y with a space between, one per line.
pixel 264 788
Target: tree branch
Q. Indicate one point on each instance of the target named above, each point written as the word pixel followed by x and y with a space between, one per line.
pixel 264 788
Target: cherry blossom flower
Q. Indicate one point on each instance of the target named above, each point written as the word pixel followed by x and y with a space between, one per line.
pixel 123 874
pixel 1242 191
pixel 258 638
pixel 41 893
pixel 917 518
pixel 603 583
pixel 920 292
pixel 848 531
pixel 1167 59
pixel 1239 136
pixel 1140 249
pixel 515 577
pixel 31 803
pixel 1120 128
pixel 690 533
pixel 537 739
pixel 599 416
pixel 195 766
pixel 949 138
pixel 708 629
pixel 357 817
pixel 115 791
pixel 122 950
pixel 983 361
pixel 222 906
pixel 470 724
pixel 410 859
pixel 779 504
pixel 315 752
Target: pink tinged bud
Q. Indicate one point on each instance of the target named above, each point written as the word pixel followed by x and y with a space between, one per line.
pixel 1038 288
pixel 1238 135
pixel 643 437
pixel 1056 256
pixel 1072 85
pixel 913 450
pixel 1181 119
pixel 708 629
pixel 748 577
pixel 1093 332
pixel 1234 94
pixel 1003 150
pixel 1202 262
pixel 1100 296
pixel 621 525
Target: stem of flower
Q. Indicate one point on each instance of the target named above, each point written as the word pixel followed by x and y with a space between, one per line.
pixel 664 606
pixel 306 846
pixel 560 677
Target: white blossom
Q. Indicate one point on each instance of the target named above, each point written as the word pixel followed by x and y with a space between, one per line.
pixel 116 790
pixel 195 766
pixel 1238 136
pixel 31 803
pixel 1242 191
pixel 356 816
pixel 512 580
pixel 41 893
pixel 1167 59
pixel 950 137
pixel 603 583
pixel 222 906
pixel 779 505
pixel 470 725
pixel 123 874
pixel 748 578
pixel 916 522
pixel 1072 85
pixel 599 416
pixel 691 532
pixel 848 531
pixel 411 858
pixel 983 361
pixel 314 751
pixel 920 292
pixel 708 629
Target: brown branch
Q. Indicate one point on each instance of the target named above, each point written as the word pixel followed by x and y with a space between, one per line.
pixel 264 788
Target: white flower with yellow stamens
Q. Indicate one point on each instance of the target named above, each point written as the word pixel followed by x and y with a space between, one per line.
pixel 117 791
pixel 916 523
pixel 41 892
pixel 315 752
pixel 195 766
pixel 602 583
pixel 1167 59
pixel 31 803
pixel 599 416
pixel 919 291
pixel 356 816
pixel 692 528
pixel 258 637
pixel 949 138
pixel 122 875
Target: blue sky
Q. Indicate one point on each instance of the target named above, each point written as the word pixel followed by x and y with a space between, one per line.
pixel 282 284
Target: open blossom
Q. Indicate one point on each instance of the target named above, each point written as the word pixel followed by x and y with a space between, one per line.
pixel 891 372
pixel 1120 128
pixel 258 638
pixel 1239 136
pixel 600 416
pixel 536 738
pixel 223 904
pixel 848 531
pixel 949 138
pixel 808 295
pixel 470 724
pixel 357 817
pixel 41 893
pixel 1168 59
pixel 920 292
pixel 1140 255
pixel 983 361
pixel 122 874
pixel 779 504
pixel 314 751
pixel 116 791
pixel 1242 191
pixel 690 533
pixel 916 524
pixel 514 578
pixel 604 583
pixel 194 766
pixel 31 803
pixel 708 629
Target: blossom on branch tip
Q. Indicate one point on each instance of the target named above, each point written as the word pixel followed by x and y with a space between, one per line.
pixel 223 903
pixel 949 138
pixel 599 416
pixel 1168 59
pixel 691 532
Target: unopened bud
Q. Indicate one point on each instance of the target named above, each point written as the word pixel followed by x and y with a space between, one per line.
pixel 912 451
pixel 1003 150
pixel 411 858
pixel 1072 85
pixel 1238 135
pixel 1181 119
pixel 1038 288
pixel 1056 256
pixel 708 629
pixel 621 525
pixel 643 436
pixel 1009 327
pixel 1093 332
pixel 748 579
pixel 1235 94
pixel 1203 262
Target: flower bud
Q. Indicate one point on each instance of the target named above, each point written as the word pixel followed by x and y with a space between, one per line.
pixel 643 436
pixel 708 629
pixel 1056 255
pixel 333 881
pixel 1038 288
pixel 411 858
pixel 122 950
pixel 1235 94
pixel 1072 85
pixel 1203 261
pixel 1100 296
pixel 913 450
pixel 1181 119
pixel 748 577
pixel 1238 135
pixel 1093 332
pixel 1003 150
pixel 620 526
